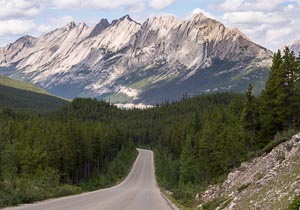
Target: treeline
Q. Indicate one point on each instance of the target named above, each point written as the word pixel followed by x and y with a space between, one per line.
pixel 26 100
pixel 52 155
pixel 197 141
pixel 218 136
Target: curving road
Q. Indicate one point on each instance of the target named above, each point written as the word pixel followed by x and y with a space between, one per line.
pixel 138 191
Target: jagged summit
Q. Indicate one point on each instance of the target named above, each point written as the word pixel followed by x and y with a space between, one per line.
pixel 122 19
pixel 69 26
pixel 129 62
pixel 126 17
pixel 101 26
pixel 199 15
pixel 25 38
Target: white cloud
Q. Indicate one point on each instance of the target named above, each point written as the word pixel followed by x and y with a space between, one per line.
pixel 229 5
pixel 16 27
pixel 270 23
pixel 267 4
pixel 67 3
pixel 207 14
pixel 290 6
pixel 134 5
pixel 60 21
pixel 53 23
pixel 274 35
pixel 253 17
pixel 160 4
pixel 18 8
pixel 96 4
pixel 136 8
pixel 245 5
pixel 43 28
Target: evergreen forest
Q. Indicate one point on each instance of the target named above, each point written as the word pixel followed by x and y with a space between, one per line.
pixel 90 144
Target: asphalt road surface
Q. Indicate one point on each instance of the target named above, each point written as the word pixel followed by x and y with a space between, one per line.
pixel 138 191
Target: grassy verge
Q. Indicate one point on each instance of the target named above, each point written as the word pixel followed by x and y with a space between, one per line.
pixel 47 185
pixel 295 204
pixel 175 202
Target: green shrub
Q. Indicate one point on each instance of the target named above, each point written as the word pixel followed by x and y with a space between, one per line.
pixel 185 194
pixel 295 204
pixel 67 189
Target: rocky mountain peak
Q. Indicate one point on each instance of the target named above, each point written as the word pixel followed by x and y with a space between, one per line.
pixel 199 16
pixel 26 39
pixel 82 25
pixel 125 18
pixel 101 26
pixel 69 26
pixel 19 45
pixel 166 20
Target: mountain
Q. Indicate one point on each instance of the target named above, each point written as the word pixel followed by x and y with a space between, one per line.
pixel 269 181
pixel 295 46
pixel 128 62
pixel 25 96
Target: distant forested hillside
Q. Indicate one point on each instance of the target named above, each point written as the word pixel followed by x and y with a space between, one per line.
pixel 9 82
pixel 16 98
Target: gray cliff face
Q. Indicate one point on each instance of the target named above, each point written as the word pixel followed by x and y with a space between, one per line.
pixel 130 62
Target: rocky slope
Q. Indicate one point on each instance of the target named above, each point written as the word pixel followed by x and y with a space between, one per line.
pixel 130 62
pixel 267 182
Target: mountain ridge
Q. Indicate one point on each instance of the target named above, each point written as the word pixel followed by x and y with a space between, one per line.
pixel 129 62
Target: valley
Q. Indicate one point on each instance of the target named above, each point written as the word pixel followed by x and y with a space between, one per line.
pixel 163 113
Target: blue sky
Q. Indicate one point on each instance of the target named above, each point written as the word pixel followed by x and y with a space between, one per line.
pixel 270 23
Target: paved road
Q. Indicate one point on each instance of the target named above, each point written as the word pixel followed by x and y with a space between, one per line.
pixel 138 191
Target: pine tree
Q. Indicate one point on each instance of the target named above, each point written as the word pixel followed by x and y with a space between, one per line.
pixel 272 101
pixel 289 67
pixel 249 118
pixel 188 172
pixel 296 99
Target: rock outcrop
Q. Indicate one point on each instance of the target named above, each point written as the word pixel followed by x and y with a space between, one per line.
pixel 267 182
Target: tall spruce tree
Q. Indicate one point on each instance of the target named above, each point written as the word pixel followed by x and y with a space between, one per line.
pixel 249 118
pixel 289 67
pixel 188 172
pixel 272 101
